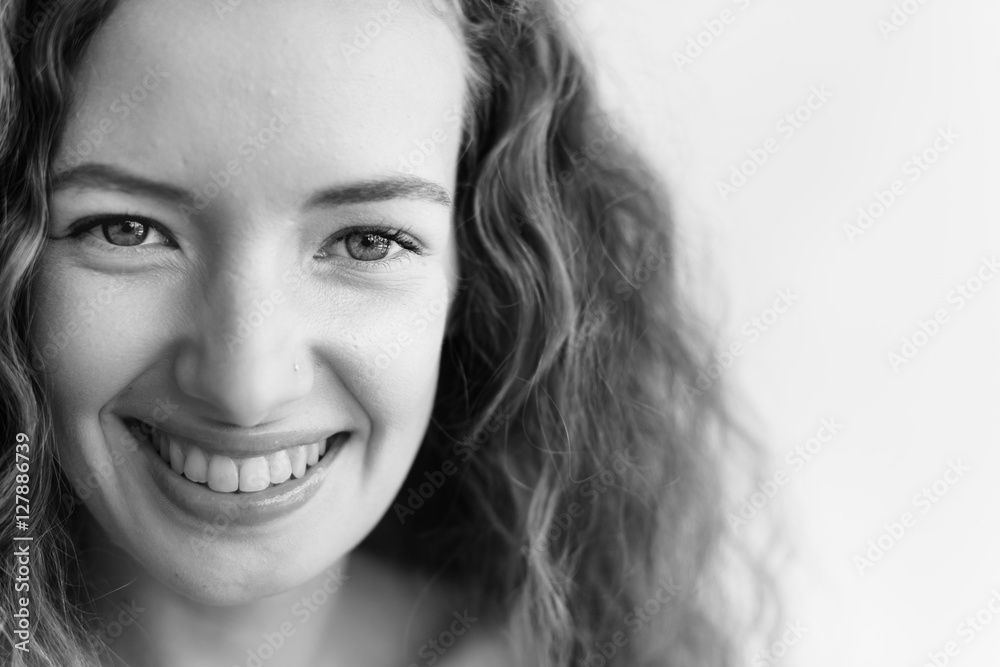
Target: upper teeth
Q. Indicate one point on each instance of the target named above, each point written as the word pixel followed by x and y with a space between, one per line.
pixel 227 474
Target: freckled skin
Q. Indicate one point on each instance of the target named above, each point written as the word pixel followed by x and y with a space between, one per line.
pixel 167 329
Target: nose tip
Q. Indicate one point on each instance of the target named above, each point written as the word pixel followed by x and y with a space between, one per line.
pixel 244 365
pixel 242 391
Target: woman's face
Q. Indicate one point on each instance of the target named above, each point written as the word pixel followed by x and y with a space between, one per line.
pixel 251 259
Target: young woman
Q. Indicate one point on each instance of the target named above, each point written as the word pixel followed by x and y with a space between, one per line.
pixel 343 333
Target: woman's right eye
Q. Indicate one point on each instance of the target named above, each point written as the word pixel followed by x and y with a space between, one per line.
pixel 124 231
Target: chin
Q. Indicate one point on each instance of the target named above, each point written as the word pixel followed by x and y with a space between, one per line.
pixel 227 548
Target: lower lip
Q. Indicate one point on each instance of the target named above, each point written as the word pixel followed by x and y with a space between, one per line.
pixel 242 509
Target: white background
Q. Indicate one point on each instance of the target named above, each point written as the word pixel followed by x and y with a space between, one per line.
pixel 828 355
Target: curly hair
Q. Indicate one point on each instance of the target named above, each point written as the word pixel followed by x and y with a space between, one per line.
pixel 577 468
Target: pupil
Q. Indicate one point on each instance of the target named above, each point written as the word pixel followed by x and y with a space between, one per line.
pixel 367 245
pixel 125 232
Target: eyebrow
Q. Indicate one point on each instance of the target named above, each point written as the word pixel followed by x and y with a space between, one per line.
pixel 385 189
pixel 92 175
pixel 360 192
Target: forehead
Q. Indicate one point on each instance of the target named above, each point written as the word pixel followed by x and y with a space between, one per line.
pixel 337 86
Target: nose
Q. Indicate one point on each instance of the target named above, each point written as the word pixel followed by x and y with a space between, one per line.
pixel 244 358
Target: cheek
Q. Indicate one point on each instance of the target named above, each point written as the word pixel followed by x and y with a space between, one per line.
pixel 87 345
pixel 400 341
pixel 390 356
pixel 90 335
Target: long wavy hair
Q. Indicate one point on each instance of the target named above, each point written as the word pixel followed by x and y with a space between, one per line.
pixel 578 467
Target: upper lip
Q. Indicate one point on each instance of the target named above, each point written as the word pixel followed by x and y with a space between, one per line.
pixel 238 441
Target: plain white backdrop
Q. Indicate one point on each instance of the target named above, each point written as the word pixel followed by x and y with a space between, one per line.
pixel 894 76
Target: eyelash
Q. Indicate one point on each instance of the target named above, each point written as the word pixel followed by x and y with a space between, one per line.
pixel 80 229
pixel 398 236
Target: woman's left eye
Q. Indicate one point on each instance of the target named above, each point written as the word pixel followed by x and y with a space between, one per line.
pixel 124 231
pixel 369 245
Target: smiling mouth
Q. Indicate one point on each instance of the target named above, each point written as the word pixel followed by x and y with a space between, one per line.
pixel 226 474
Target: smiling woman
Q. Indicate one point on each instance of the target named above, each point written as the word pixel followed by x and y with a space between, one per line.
pixel 302 394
